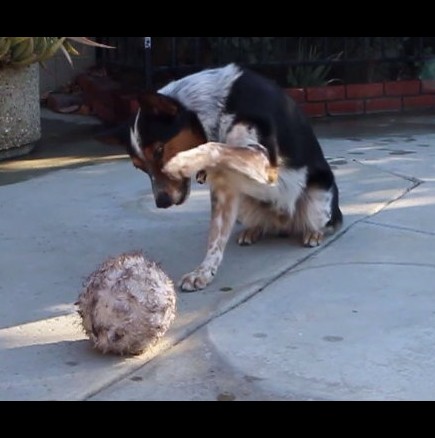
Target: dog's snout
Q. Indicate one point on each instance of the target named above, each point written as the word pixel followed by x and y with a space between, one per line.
pixel 163 200
pixel 168 193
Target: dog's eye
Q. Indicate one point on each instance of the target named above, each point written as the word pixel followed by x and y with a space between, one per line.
pixel 158 150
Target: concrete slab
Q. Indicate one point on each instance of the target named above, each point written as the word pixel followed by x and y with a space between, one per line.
pixel 415 211
pixel 197 372
pixel 299 342
pixel 411 156
pixel 368 242
pixel 361 332
pixel 41 359
pixel 56 226
pixel 354 322
pixel 375 126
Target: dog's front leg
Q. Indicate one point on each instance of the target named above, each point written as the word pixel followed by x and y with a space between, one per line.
pixel 251 162
pixel 224 209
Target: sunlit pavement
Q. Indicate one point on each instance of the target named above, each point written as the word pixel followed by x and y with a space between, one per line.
pixel 351 320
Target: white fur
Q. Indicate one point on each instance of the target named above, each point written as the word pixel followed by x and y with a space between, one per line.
pixel 318 208
pixel 241 134
pixel 225 123
pixel 135 139
pixel 206 93
pixel 281 197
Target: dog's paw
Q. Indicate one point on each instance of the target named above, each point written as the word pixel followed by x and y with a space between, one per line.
pixel 197 280
pixel 194 161
pixel 179 167
pixel 188 163
pixel 313 239
pixel 201 177
pixel 249 236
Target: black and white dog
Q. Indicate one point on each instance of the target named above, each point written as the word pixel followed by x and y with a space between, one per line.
pixel 256 149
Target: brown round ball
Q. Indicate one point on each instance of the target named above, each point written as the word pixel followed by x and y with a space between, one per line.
pixel 127 304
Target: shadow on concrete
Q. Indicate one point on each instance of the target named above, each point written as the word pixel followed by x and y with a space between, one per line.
pixel 64 144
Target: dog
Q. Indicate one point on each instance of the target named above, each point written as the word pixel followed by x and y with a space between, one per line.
pixel 257 151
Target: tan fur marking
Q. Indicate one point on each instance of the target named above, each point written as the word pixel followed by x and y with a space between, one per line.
pixel 273 174
pixel 183 141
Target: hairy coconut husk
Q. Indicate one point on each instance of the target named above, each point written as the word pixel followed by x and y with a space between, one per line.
pixel 127 304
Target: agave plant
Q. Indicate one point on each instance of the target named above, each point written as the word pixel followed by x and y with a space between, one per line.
pixel 22 51
pixel 308 75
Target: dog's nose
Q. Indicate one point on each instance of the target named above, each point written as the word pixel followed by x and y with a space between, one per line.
pixel 163 200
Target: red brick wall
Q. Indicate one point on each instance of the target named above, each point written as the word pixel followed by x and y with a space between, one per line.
pixel 111 103
pixel 357 99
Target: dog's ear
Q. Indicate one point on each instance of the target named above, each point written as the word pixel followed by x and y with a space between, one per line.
pixel 158 104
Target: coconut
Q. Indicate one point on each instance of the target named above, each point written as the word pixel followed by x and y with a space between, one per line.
pixel 127 304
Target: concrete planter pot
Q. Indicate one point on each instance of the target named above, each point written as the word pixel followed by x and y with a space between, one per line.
pixel 20 114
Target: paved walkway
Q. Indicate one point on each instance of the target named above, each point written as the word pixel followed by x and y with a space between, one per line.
pixel 351 320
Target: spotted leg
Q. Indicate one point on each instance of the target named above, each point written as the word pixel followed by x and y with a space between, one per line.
pixel 224 207
pixel 218 158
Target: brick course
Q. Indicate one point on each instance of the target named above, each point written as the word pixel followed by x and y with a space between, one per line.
pixel 355 99
pixel 112 104
pixel 342 107
pixel 402 88
pixel 383 104
pixel 320 94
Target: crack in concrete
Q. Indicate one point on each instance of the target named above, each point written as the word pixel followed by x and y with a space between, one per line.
pixel 400 227
pixel 361 263
pixel 390 172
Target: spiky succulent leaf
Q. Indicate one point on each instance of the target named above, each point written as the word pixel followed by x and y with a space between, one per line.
pixel 22 51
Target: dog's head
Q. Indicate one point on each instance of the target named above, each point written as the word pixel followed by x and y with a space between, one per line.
pixel 163 128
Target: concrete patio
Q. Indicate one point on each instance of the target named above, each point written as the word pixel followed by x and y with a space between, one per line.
pixel 351 320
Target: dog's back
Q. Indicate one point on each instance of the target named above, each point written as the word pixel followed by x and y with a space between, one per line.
pixel 284 130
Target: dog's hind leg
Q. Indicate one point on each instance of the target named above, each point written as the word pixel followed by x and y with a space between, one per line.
pixel 315 217
pixel 249 236
pixel 223 217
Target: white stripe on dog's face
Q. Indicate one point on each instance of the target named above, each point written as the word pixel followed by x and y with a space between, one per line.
pixel 135 139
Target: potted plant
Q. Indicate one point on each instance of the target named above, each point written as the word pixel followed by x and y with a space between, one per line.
pixel 20 125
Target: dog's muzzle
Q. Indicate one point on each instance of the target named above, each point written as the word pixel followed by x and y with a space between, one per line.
pixel 174 196
pixel 163 200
